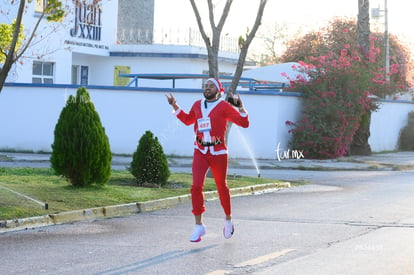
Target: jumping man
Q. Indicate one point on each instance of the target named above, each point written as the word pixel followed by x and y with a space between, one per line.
pixel 210 117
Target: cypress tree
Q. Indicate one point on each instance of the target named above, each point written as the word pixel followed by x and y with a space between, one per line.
pixel 81 151
pixel 149 163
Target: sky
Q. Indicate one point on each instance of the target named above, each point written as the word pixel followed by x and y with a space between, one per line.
pixel 297 15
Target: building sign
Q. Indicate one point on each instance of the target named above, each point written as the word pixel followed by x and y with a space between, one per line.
pixel 88 20
pixel 121 81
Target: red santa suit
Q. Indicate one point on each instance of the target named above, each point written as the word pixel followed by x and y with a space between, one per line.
pixel 210 120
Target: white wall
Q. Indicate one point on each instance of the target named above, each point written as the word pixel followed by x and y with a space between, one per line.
pixel 28 116
pixel 387 123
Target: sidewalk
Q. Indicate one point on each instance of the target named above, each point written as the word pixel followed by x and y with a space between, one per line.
pixel 386 161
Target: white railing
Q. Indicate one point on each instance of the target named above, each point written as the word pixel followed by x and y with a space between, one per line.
pixel 172 36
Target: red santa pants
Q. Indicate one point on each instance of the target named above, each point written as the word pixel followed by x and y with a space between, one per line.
pixel 218 166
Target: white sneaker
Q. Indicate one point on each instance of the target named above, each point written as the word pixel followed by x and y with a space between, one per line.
pixel 199 231
pixel 228 229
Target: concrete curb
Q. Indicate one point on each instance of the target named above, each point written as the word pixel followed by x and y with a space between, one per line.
pixel 126 209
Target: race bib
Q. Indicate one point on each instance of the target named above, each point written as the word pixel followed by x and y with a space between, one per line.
pixel 204 124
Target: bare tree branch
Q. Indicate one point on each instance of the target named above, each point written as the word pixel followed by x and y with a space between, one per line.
pixel 224 15
pixel 212 44
pixel 200 24
pixel 10 58
pixel 211 14
pixel 218 29
pixel 245 47
pixel 54 11
pixel 29 41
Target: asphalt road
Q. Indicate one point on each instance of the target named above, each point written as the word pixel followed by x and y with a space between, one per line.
pixel 358 222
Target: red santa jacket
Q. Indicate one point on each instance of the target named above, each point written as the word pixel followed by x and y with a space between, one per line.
pixel 210 122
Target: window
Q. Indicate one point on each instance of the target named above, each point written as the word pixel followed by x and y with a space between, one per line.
pixel 84 75
pixel 43 72
pixel 40 5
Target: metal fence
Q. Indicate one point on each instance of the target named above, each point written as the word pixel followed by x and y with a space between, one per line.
pixel 190 37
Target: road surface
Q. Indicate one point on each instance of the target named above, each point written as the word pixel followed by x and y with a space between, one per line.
pixel 348 222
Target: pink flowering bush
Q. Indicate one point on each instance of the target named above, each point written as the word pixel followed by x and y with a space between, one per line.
pixel 335 96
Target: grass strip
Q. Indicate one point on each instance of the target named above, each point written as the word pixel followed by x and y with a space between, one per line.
pixel 43 185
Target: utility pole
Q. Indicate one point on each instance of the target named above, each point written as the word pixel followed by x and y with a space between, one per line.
pixel 375 12
pixel 387 44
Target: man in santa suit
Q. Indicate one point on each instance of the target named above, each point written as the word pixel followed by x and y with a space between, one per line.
pixel 210 117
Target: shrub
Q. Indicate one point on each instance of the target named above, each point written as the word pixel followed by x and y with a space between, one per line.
pixel 81 151
pixel 335 97
pixel 149 163
pixel 406 141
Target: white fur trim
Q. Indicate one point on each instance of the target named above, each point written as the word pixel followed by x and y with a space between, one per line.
pixel 215 82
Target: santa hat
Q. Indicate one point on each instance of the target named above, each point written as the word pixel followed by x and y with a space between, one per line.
pixel 217 83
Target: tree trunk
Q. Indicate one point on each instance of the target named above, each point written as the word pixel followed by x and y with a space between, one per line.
pixel 363 29
pixel 214 45
pixel 360 145
pixel 242 56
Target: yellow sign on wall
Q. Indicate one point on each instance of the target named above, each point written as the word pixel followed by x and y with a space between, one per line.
pixel 121 81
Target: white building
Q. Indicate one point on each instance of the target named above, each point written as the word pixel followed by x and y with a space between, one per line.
pixel 97 39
